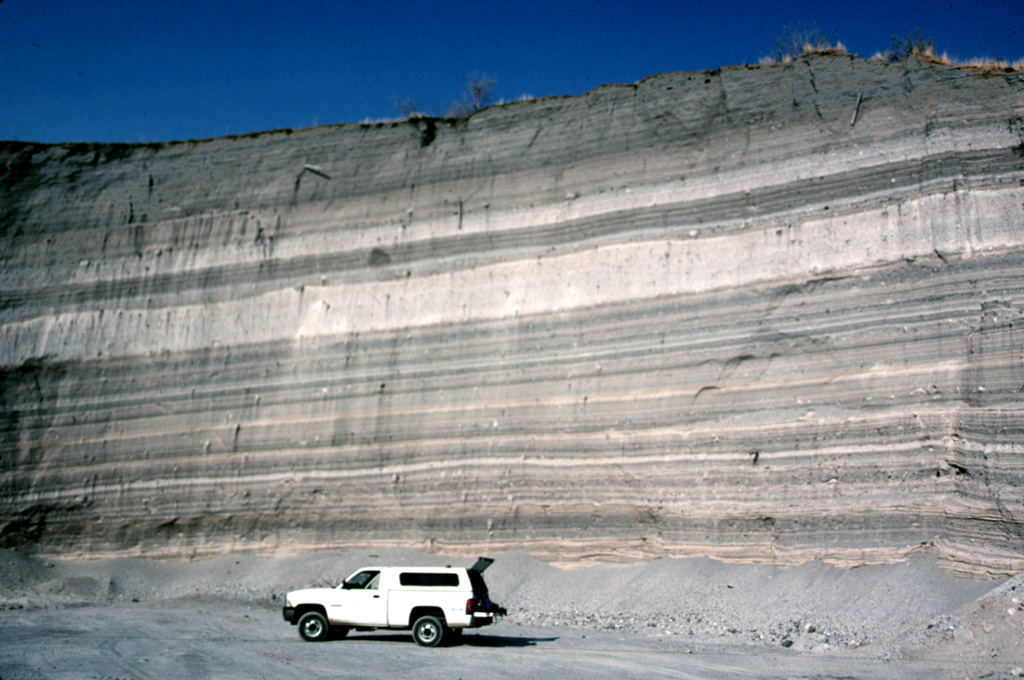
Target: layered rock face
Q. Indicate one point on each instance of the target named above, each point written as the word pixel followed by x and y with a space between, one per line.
pixel 761 314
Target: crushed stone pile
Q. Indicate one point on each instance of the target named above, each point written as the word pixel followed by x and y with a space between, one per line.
pixel 812 607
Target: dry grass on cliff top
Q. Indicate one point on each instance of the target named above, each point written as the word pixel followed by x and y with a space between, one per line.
pixel 809 42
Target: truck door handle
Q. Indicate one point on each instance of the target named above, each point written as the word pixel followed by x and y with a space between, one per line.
pixel 376 597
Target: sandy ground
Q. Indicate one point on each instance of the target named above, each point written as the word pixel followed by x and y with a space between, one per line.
pixel 692 618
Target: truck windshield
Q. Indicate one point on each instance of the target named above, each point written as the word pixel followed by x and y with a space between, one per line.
pixel 360 580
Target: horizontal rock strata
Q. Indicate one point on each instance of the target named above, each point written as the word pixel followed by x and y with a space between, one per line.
pixel 763 314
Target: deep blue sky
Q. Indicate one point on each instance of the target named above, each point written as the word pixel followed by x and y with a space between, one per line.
pixel 160 70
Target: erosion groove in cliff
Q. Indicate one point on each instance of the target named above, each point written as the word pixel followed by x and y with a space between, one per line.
pixel 708 314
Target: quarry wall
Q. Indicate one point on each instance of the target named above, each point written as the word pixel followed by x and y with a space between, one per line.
pixel 763 314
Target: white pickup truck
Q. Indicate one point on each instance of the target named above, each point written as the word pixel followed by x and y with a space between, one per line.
pixel 437 603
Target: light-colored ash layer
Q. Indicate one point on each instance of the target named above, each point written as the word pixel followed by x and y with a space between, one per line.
pixel 763 314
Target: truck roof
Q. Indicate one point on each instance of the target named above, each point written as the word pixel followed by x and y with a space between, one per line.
pixel 479 566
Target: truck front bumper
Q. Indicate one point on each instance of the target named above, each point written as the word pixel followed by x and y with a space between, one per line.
pixel 288 613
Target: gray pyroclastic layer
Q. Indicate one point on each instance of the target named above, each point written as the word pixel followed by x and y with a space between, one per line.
pixel 763 314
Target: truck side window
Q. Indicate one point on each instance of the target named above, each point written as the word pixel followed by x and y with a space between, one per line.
pixel 428 579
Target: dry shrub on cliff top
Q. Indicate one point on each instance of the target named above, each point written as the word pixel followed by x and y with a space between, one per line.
pixel 914 45
pixel 798 40
pixel 411 107
pixel 479 94
pixel 917 46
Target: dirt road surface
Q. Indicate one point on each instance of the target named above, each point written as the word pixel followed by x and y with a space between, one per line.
pixel 212 639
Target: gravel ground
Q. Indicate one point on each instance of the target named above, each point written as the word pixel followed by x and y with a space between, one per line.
pixel 906 612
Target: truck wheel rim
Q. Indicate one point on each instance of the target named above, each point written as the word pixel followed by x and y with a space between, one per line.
pixel 313 628
pixel 428 632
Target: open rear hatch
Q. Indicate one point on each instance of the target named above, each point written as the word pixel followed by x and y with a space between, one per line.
pixel 481 600
pixel 481 564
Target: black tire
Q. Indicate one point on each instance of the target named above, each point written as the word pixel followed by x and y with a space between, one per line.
pixel 313 627
pixel 428 631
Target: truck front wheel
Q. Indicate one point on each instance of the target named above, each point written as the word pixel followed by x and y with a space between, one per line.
pixel 313 627
pixel 428 631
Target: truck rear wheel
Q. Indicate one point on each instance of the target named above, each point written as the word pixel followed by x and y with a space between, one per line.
pixel 313 627
pixel 428 631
